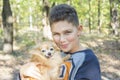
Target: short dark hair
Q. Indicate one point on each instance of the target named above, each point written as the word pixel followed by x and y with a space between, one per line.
pixel 63 12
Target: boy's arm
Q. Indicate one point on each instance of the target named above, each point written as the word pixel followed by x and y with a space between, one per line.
pixel 29 70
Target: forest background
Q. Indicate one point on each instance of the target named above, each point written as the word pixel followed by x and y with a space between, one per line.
pixel 24 23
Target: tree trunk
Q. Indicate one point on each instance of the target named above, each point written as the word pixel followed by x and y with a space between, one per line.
pixel 46 7
pixel 99 13
pixel 30 18
pixel 69 2
pixel 110 2
pixel 7 20
pixel 46 27
pixel 114 23
pixel 89 17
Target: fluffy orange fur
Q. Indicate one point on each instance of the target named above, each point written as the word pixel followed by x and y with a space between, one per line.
pixel 47 60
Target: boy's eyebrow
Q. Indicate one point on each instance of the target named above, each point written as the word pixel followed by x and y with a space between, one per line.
pixel 63 31
pixel 68 30
pixel 55 33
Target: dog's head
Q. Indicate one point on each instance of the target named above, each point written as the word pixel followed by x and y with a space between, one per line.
pixel 46 49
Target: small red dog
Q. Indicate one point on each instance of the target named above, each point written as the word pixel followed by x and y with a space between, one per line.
pixel 47 60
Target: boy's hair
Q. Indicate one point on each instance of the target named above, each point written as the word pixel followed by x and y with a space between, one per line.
pixel 63 12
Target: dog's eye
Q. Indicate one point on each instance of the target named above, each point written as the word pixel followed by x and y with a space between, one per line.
pixel 42 50
pixel 51 49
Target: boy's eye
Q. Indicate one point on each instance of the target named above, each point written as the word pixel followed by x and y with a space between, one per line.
pixel 67 32
pixel 42 50
pixel 55 34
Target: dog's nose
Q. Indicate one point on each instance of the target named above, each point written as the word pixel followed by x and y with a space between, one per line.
pixel 49 54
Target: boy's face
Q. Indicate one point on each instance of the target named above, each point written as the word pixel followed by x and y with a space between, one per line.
pixel 66 36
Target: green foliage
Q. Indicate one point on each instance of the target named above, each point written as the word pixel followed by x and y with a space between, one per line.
pixel 58 1
pixel 23 9
pixel 27 38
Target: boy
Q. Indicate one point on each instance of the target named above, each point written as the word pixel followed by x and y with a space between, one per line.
pixel 83 64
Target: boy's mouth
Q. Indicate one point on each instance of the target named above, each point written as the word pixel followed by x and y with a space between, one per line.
pixel 64 46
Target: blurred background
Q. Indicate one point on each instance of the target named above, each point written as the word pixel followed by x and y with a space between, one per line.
pixel 24 23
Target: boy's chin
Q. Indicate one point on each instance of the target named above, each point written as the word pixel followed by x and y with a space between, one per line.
pixel 65 51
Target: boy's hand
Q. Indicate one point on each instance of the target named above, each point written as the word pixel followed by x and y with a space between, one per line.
pixel 31 70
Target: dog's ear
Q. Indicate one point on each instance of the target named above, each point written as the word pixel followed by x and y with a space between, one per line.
pixel 35 49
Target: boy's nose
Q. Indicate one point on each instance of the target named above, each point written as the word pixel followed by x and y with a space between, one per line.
pixel 62 38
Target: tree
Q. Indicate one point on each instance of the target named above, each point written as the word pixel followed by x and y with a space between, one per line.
pixel 99 21
pixel 46 27
pixel 89 16
pixel 7 27
pixel 114 17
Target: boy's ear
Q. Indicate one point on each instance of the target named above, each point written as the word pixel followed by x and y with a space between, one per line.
pixel 80 28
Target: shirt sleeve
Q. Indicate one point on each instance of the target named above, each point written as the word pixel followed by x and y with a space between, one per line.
pixel 90 69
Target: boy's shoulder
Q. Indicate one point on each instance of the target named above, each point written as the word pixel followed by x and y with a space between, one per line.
pixel 85 55
pixel 85 51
